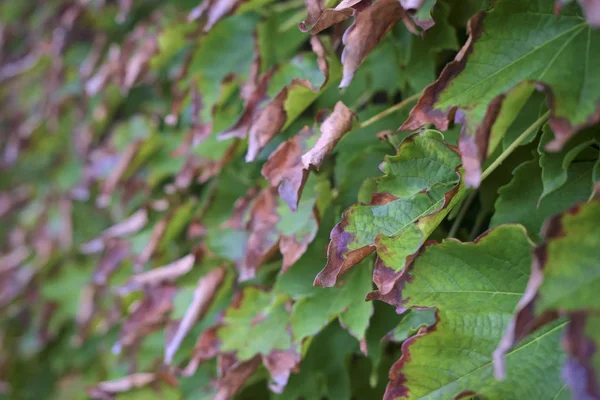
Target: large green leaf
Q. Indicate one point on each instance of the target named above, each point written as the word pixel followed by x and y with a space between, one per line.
pixel 565 279
pixel 517 42
pixel 474 288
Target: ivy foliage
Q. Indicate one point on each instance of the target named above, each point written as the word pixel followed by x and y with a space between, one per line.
pixel 255 199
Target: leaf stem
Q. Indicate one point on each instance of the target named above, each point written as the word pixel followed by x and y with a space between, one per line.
pixel 462 213
pixel 391 110
pixel 479 220
pixel 517 142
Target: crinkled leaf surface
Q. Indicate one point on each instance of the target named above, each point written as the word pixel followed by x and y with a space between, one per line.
pixel 416 182
pixel 473 307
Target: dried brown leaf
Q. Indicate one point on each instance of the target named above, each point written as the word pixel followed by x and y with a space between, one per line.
pixel 332 130
pixel 207 347
pixel 150 314
pixel 124 228
pixel 160 275
pixel 264 238
pixel 157 233
pixel 263 124
pixel 204 293
pixel 209 12
pixel 235 374
pixel 107 389
pixel 369 27
pixel 14 258
pixel 319 18
pixel 116 251
pixel 280 364
pixel 288 166
pixel 284 168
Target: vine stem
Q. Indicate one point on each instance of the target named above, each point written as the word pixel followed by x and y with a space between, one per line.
pixel 516 143
pixel 503 156
pixel 391 110
pixel 462 213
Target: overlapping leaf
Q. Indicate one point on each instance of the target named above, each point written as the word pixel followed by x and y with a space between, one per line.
pixel 562 284
pixel 288 166
pixel 474 287
pixel 485 73
pixel 420 181
pixel 128 224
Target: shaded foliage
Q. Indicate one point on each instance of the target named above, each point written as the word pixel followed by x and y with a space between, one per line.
pixel 234 199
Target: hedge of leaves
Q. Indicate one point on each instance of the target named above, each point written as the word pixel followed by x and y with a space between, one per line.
pixel 261 199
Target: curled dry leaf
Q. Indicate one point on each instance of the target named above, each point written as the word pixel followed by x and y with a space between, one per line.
pixel 234 375
pixel 420 11
pixel 204 293
pixel 320 18
pixel 150 314
pixel 263 240
pixel 284 168
pixel 14 198
pixel 580 342
pixel 273 225
pixel 124 9
pixel 157 233
pixel 288 166
pixel 254 93
pixel 14 258
pixel 209 12
pixel 128 226
pixel 332 130
pixel 564 281
pixel 262 124
pixel 280 364
pixel 207 347
pixel 157 276
pixel 369 27
pixel 133 381
pixel 13 283
pixel 137 64
pixel 115 252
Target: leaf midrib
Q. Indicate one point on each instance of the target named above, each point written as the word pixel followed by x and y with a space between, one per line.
pixel 528 54
pixel 513 351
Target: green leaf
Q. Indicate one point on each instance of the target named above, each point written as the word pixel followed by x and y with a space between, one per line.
pixel 312 313
pixel 412 321
pixel 573 241
pixel 422 15
pixel 556 164
pixel 474 288
pixel 555 53
pixel 404 60
pixel 324 370
pixel 418 179
pixel 565 279
pixel 518 201
pixel 257 325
